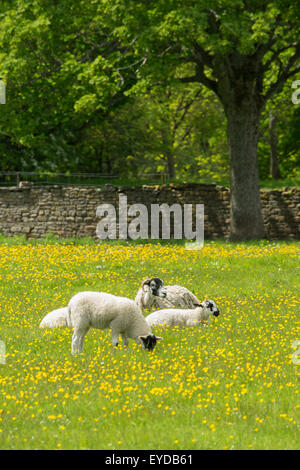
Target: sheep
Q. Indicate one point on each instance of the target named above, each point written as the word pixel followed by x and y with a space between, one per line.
pixel 102 310
pixel 184 317
pixel 177 297
pixel 56 319
pixel 151 289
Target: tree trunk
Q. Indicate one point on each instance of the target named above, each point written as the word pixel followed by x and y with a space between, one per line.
pixel 168 153
pixel 108 164
pixel 246 216
pixel 170 164
pixel 100 160
pixel 274 165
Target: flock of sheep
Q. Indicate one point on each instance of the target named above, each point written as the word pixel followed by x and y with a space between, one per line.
pixel 177 307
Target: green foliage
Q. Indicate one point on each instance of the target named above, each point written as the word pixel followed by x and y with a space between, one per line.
pixel 60 64
pixel 101 86
pixel 288 133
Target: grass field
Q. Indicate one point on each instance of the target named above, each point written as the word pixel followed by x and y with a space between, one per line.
pixel 232 385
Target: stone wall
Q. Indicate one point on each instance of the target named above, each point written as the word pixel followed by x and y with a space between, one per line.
pixel 71 211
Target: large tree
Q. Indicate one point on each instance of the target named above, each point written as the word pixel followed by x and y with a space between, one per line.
pixel 244 51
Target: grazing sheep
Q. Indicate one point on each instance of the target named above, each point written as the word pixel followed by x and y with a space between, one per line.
pixel 56 319
pixel 177 297
pixel 151 289
pixel 184 317
pixel 102 310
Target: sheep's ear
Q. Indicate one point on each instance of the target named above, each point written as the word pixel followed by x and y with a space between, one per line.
pixel 144 337
pixel 158 338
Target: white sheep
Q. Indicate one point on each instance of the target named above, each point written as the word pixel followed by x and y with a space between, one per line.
pixel 56 319
pixel 151 289
pixel 184 317
pixel 177 297
pixel 102 310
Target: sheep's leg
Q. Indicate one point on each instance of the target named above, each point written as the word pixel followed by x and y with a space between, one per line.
pixel 77 341
pixel 114 333
pixel 125 340
pixel 81 339
pixel 115 340
pixel 74 346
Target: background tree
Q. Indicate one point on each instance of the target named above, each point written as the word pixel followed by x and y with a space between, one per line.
pixel 187 123
pixel 285 129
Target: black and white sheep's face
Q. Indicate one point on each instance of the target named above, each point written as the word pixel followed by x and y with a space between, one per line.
pixel 156 287
pixel 211 307
pixel 149 341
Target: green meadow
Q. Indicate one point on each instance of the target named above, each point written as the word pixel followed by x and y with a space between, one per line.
pixel 231 385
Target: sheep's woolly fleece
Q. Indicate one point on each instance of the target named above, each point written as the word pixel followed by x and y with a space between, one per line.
pixel 183 317
pixel 177 297
pixel 102 310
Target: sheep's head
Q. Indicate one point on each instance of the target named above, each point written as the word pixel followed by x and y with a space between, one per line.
pixel 155 286
pixel 149 341
pixel 210 307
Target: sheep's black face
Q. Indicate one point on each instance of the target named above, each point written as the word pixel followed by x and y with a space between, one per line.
pixel 157 287
pixel 149 341
pixel 212 307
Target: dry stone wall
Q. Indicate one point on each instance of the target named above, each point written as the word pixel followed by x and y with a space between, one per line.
pixel 69 211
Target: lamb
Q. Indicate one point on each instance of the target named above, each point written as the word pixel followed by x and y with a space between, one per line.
pixel 151 289
pixel 177 297
pixel 56 319
pixel 184 317
pixel 102 310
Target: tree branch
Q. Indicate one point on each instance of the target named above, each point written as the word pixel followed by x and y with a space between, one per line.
pixel 284 73
pixel 276 54
pixel 200 77
pixel 185 109
pixel 201 55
